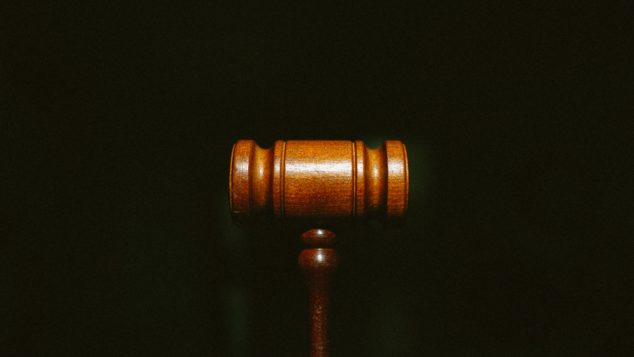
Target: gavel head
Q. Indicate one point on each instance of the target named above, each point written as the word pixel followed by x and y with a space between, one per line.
pixel 320 179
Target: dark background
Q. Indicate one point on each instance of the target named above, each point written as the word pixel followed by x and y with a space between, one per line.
pixel 118 122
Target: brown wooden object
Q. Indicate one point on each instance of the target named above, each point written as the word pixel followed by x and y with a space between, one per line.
pixel 315 181
pixel 318 179
pixel 318 262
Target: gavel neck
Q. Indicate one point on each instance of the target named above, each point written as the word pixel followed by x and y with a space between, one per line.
pixel 319 262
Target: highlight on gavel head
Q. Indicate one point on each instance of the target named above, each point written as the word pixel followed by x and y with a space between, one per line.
pixel 320 179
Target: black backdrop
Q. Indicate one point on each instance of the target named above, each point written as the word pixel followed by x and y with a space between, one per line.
pixel 120 124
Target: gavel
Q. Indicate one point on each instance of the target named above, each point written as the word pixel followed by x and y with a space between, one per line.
pixel 318 182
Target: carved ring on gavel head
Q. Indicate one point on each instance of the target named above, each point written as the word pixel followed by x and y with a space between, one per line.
pixel 318 179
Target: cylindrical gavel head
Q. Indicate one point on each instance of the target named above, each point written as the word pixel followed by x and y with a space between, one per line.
pixel 308 179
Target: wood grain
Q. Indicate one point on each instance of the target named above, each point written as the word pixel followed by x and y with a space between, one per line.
pixel 313 180
pixel 319 263
pixel 319 179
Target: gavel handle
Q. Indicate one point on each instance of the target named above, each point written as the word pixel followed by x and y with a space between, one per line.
pixel 319 263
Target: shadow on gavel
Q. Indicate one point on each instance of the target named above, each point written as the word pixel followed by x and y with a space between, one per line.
pixel 317 185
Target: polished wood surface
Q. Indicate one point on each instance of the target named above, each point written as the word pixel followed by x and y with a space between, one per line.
pixel 314 181
pixel 318 179
pixel 319 262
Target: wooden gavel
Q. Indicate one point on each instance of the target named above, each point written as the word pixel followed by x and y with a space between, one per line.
pixel 318 181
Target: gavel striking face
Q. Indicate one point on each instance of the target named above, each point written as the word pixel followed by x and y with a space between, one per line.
pixel 318 181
